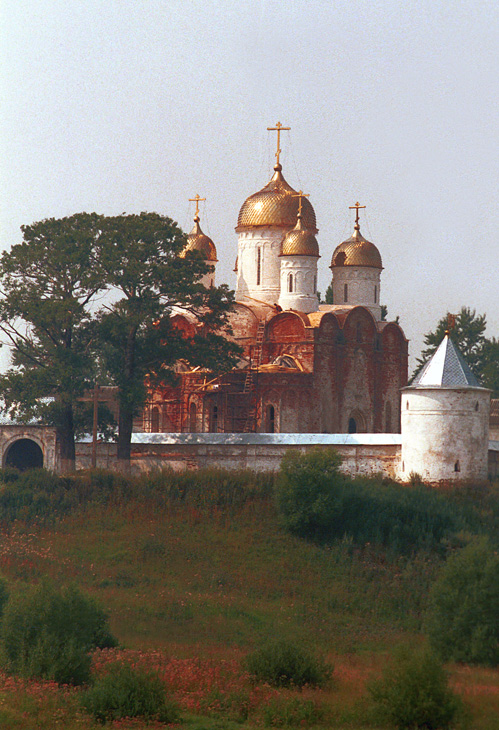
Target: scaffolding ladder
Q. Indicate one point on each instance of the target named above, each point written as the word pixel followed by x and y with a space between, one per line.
pixel 251 380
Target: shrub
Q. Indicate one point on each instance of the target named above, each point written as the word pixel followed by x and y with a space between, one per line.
pixel 463 614
pixel 413 693
pixel 281 664
pixel 316 501
pixel 307 491
pixel 49 634
pixel 126 692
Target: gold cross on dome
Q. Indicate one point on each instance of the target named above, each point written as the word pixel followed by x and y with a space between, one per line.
pixel 357 206
pixel 300 194
pixel 196 200
pixel 278 128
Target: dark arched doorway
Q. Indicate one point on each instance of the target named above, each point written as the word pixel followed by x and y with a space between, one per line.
pixel 24 454
pixel 357 422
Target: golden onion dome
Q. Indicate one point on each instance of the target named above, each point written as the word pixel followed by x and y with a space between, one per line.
pixel 300 241
pixel 356 251
pixel 198 241
pixel 275 205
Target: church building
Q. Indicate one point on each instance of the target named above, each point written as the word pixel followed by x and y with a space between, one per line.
pixel 306 367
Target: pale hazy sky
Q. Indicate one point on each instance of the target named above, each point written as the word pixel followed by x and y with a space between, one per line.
pixel 131 105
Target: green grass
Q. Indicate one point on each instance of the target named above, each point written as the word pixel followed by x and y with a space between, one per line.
pixel 193 581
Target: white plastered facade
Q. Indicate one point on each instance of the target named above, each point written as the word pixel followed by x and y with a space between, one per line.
pixel 362 287
pixel 444 433
pixel 258 265
pixel 298 276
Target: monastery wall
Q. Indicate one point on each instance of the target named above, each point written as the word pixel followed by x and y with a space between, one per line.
pixel 363 454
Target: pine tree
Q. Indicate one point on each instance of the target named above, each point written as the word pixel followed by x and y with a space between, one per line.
pixel 481 354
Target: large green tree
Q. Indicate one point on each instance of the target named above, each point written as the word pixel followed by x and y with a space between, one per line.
pixel 468 333
pixel 48 284
pixel 150 281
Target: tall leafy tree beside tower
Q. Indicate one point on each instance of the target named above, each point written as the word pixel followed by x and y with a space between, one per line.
pixel 48 284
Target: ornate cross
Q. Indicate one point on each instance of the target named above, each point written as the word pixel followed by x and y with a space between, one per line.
pixel 356 207
pixel 300 194
pixel 278 128
pixel 196 200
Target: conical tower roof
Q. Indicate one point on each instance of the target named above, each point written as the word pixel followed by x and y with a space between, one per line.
pixel 446 368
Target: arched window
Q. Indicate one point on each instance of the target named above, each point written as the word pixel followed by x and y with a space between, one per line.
pixel 270 419
pixel 345 293
pixel 290 282
pixel 258 266
pixel 167 425
pixel 352 425
pixel 315 284
pixel 388 417
pixel 155 419
pixel 375 294
pixel 214 420
pixel 192 418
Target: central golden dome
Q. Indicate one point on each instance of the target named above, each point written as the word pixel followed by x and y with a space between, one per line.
pixel 199 241
pixel 356 251
pixel 300 242
pixel 275 205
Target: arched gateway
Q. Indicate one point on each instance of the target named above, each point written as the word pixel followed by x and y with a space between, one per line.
pixel 24 453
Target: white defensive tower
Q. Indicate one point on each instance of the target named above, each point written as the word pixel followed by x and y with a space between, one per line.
pixel 445 418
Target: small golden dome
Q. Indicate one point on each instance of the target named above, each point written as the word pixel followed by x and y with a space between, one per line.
pixel 356 251
pixel 275 205
pixel 300 242
pixel 198 241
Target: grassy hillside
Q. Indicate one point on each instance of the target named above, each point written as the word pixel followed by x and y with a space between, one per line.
pixel 194 576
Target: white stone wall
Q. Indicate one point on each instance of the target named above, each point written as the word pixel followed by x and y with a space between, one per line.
pixel 367 459
pixel 268 241
pixel 303 269
pixel 361 282
pixel 445 433
pixel 362 454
